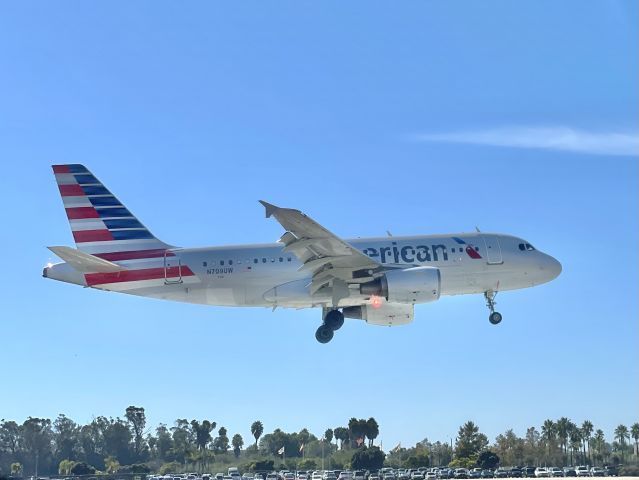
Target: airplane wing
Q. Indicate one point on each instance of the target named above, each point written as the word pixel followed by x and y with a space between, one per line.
pixel 84 262
pixel 327 257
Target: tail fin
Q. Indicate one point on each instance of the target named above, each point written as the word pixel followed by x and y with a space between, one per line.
pixel 100 224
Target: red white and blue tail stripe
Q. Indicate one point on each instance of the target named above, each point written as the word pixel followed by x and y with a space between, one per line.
pixel 100 223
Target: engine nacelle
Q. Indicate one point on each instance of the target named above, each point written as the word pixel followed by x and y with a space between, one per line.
pixel 412 285
pixel 382 314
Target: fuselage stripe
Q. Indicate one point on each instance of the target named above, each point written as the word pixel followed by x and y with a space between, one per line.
pixel 137 275
pixel 134 254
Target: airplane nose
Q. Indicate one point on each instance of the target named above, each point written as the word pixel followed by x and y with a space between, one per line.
pixel 553 267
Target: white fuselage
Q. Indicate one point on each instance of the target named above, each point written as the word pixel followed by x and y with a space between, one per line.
pixel 264 275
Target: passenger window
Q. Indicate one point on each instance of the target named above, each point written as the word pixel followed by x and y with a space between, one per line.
pixel 255 260
pixel 281 259
pixel 204 264
pixel 221 262
pixel 230 262
pixel 263 260
pixel 288 259
pixel 522 247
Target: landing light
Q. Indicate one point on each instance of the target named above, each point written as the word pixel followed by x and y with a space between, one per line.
pixel 376 302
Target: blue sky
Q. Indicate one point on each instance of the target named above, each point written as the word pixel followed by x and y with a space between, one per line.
pixel 419 117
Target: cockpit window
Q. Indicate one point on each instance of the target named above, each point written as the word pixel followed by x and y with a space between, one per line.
pixel 526 246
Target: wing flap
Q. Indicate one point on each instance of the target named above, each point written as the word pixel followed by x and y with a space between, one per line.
pixel 84 262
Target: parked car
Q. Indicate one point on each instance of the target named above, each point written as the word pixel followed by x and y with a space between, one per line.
pixel 444 473
pixel 474 473
pixel 430 476
pixel 460 473
pixel 515 472
pixel 528 472
pixel 555 472
pixel 582 471
pixel 541 472
pixel 486 473
pixel 569 472
pixel 611 471
pixel 417 475
pixel 502 473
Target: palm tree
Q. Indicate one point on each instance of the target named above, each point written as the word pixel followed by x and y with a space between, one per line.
pixel 634 431
pixel 548 433
pixel 621 435
pixel 202 433
pixel 600 442
pixel 341 434
pixel 237 443
pixel 575 442
pixel 563 429
pixel 586 434
pixel 328 435
pixel 257 429
pixel 372 430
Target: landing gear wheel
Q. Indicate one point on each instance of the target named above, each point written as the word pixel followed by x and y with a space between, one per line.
pixel 324 334
pixel 334 320
pixel 495 318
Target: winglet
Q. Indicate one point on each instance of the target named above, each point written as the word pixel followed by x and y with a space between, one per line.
pixel 270 208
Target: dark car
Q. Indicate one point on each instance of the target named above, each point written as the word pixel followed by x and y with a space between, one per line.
pixel 528 472
pixel 515 472
pixel 570 472
pixel 501 473
pixel 475 473
pixel 611 471
pixel 487 473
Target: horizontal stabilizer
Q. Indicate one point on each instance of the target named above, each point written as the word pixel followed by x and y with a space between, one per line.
pixel 84 262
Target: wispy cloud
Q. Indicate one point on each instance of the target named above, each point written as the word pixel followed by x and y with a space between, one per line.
pixel 549 138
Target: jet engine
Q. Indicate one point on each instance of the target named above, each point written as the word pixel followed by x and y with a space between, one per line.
pixel 411 285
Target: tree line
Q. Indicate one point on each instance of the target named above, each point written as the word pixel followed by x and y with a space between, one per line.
pixel 41 446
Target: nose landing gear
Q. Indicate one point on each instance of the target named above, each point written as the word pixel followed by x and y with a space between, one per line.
pixel 494 317
pixel 333 321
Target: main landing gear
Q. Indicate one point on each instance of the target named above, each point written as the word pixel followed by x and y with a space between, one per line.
pixel 333 321
pixel 494 317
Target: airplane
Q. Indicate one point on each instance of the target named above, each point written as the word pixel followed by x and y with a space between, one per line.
pixel 378 280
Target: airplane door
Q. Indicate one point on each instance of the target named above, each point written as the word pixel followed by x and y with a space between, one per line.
pixel 493 250
pixel 172 268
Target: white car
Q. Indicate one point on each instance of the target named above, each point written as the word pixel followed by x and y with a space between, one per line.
pixel 582 471
pixel 555 472
pixel 345 475
pixel 541 472
pixel 316 475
